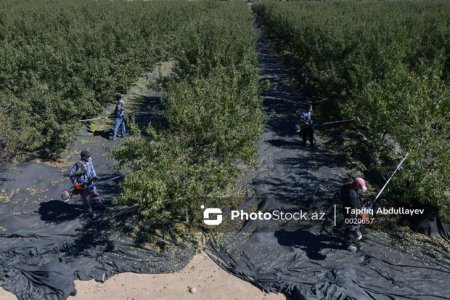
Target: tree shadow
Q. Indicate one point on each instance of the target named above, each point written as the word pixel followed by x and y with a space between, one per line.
pixel 108 188
pixel 106 134
pixel 151 112
pixel 285 144
pixel 2 180
pixel 95 233
pixel 310 243
pixel 107 231
pixel 57 211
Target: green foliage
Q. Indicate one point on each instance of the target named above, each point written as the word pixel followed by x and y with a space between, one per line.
pixel 386 63
pixel 62 60
pixel 213 110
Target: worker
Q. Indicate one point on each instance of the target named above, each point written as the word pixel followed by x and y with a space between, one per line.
pixel 118 115
pixel 306 125
pixel 83 177
pixel 350 197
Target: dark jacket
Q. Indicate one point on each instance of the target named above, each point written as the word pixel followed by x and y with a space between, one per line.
pixel 119 110
pixel 350 198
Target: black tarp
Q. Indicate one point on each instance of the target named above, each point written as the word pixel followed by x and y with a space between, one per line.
pixel 307 259
pixel 45 243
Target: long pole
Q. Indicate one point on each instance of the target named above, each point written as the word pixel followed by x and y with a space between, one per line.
pixel 93 119
pixel 106 117
pixel 387 182
pixel 337 122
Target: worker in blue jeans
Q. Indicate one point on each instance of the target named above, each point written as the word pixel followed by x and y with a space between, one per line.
pixel 118 114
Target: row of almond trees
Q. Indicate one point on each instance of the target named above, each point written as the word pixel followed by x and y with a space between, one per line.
pixel 214 117
pixel 62 60
pixel 387 64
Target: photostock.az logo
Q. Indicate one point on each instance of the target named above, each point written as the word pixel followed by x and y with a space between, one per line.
pixel 212 211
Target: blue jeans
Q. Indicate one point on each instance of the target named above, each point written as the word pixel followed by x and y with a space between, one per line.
pixel 120 122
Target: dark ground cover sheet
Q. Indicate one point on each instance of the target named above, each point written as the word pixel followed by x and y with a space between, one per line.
pixel 46 243
pixel 306 260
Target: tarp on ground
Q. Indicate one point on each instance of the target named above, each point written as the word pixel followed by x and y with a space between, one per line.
pixel 307 259
pixel 46 243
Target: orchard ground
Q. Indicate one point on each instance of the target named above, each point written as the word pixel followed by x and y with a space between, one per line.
pixel 209 280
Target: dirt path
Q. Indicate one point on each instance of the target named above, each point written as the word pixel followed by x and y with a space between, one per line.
pixel 208 279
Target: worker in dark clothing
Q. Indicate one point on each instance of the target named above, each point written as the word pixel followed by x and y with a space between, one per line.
pixel 306 126
pixel 350 197
pixel 83 177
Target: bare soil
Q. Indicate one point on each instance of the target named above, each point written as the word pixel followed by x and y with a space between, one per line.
pixel 209 280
